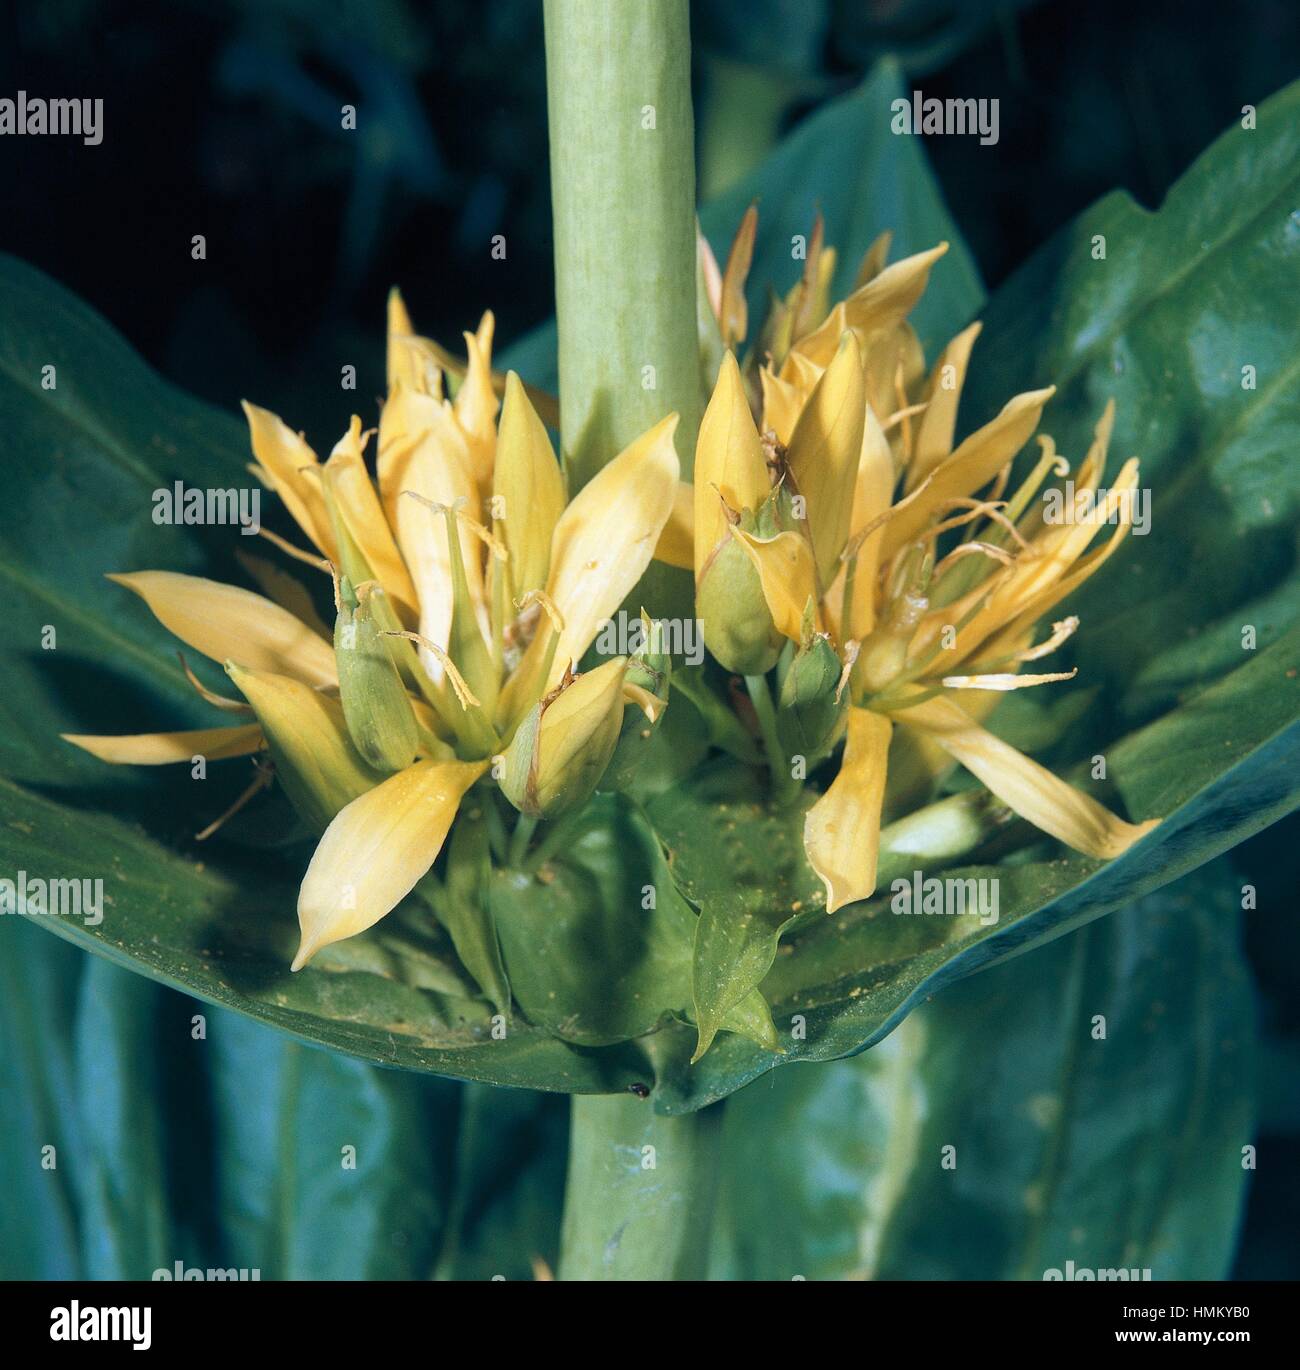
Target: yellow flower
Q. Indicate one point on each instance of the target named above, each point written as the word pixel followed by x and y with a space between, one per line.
pixel 468 589
pixel 862 480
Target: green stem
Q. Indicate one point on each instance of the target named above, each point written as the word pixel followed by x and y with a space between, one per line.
pixel 519 840
pixel 641 1190
pixel 623 198
pixel 618 78
pixel 784 786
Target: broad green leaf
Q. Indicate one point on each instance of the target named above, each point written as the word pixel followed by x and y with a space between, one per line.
pixel 396 996
pixel 326 1168
pixel 1096 1095
pixel 1220 768
pixel 38 1208
pixel 117 1167
pixel 597 940
pixel 743 868
pixel 1186 322
pixel 509 1183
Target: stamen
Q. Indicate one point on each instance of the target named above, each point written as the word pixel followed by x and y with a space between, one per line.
pixel 261 780
pixel 854 544
pixel 1004 681
pixel 546 603
pixel 851 650
pixel 899 415
pixel 231 706
pixel 1066 628
pixel 968 549
pixel 307 558
pixel 464 695
pixel 900 394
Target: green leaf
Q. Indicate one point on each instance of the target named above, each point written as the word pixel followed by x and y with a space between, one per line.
pixel 1184 299
pixel 395 996
pixel 38 1210
pixel 597 941
pixel 326 1168
pixel 742 866
pixel 509 1183
pixel 1112 1152
pixel 462 907
pixel 1222 767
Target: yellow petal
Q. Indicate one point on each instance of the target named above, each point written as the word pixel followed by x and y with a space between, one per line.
pixel 971 466
pixel 606 537
pixel 824 453
pixel 285 590
pixel 411 361
pixel 881 304
pixel 476 403
pixel 422 449
pixel 357 503
pixel 729 462
pixel 841 833
pixel 376 849
pixel 888 297
pixel 294 474
pixel 787 574
pixel 782 401
pixel 733 315
pixel 875 259
pixel 935 428
pixel 872 491
pixel 160 749
pixel 676 545
pixel 1031 790
pixel 315 761
pixel 527 490
pixel 229 624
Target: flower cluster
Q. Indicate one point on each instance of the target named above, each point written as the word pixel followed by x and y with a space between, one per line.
pixel 876 585
pixel 826 486
pixel 467 590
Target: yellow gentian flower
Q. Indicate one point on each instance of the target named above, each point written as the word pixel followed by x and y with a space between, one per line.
pixel 862 481
pixel 463 559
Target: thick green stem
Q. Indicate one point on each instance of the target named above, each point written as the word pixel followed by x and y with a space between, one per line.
pixel 618 76
pixel 639 1203
pixel 623 196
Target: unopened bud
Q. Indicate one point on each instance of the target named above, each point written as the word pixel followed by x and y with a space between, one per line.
pixel 376 706
pixel 562 747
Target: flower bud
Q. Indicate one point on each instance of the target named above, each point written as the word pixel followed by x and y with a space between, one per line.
pixel 811 702
pixel 376 706
pixel 308 739
pixel 562 747
pixel 737 623
pixel 645 688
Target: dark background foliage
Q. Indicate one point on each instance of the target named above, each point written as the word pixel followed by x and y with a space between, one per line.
pixel 222 119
